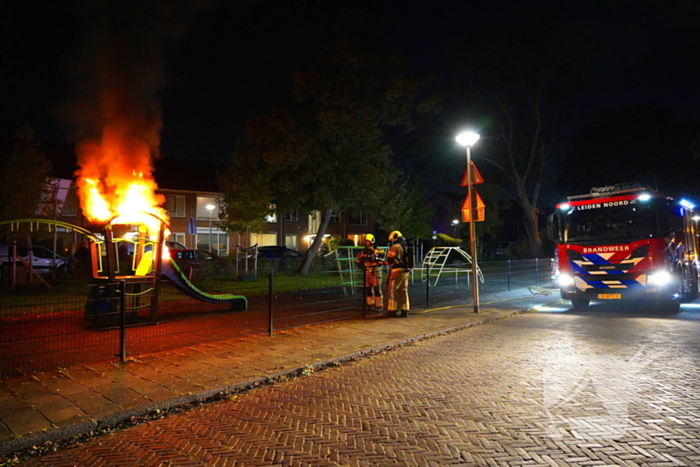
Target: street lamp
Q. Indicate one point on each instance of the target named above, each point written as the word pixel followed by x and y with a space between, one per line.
pixel 467 139
pixel 210 208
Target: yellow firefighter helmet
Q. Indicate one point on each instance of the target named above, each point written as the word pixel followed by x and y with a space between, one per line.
pixel 370 238
pixel 393 236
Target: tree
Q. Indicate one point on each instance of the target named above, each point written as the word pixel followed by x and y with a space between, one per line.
pixel 326 150
pixel 25 181
pixel 252 182
pixel 409 213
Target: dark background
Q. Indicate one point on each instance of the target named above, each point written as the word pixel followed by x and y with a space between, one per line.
pixel 226 61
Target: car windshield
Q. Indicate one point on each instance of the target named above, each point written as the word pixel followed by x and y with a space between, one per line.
pixel 614 222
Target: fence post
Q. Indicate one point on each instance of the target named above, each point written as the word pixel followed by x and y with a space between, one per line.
pixel 509 274
pixel 537 271
pixel 364 291
pixel 122 321
pixel 269 304
pixel 427 290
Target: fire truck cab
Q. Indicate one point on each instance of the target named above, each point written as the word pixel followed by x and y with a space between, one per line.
pixel 625 242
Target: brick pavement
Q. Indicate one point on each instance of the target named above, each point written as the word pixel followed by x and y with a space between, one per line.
pixel 59 404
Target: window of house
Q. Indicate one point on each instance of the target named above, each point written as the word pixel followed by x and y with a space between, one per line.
pixel 291 216
pixel 335 218
pixel 291 241
pixel 176 205
pixel 264 239
pixel 177 237
pixel 357 217
pixel 217 242
pixel 70 205
pixel 207 208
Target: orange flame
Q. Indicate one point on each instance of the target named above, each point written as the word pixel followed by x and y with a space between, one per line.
pixel 115 179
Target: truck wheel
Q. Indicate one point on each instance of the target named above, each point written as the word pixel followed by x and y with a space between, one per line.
pixel 580 303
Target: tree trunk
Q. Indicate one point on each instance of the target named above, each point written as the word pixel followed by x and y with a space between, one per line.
pixel 318 241
pixel 533 232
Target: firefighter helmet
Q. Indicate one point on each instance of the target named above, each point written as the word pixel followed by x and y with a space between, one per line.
pixel 370 238
pixel 394 236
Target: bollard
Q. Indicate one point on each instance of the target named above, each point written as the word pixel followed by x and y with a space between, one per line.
pixel 269 304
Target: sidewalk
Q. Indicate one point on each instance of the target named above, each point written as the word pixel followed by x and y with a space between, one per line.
pixel 76 400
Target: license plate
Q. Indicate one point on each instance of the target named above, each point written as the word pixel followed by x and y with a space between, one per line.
pixel 609 295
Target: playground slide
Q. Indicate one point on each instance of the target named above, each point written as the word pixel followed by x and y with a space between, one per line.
pixel 171 271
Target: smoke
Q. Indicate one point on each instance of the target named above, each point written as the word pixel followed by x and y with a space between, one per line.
pixel 113 113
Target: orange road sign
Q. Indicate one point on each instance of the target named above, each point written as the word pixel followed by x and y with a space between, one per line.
pixel 475 175
pixel 480 208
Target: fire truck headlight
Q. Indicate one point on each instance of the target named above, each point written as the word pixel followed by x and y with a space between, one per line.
pixel 659 278
pixel 565 280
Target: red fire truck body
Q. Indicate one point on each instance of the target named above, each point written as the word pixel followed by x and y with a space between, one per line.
pixel 625 242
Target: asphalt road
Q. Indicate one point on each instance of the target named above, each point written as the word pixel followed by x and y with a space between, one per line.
pixel 608 386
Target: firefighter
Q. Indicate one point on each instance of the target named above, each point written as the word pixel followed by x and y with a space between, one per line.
pixel 397 285
pixel 372 259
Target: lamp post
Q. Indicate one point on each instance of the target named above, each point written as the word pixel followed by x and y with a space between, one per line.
pixel 467 139
pixel 210 208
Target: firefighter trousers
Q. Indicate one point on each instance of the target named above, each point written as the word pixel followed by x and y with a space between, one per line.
pixel 398 290
pixel 373 287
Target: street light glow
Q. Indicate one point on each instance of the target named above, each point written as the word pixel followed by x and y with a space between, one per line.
pixel 467 138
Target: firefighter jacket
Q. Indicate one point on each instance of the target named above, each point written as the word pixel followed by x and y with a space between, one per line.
pixel 371 257
pixel 396 258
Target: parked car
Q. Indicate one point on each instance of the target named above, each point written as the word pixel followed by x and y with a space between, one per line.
pixel 173 245
pixel 503 248
pixel 42 259
pixel 277 252
pixel 201 261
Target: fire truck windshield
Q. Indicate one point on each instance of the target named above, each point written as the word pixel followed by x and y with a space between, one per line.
pixel 605 222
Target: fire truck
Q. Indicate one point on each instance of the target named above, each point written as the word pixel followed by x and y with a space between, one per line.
pixel 623 242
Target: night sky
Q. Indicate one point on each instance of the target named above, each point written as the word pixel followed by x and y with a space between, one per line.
pixel 226 61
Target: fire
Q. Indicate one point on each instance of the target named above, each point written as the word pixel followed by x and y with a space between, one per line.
pixel 115 180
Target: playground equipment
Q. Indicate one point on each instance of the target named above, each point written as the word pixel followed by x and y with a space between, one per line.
pixel 434 264
pixel 351 273
pixel 147 261
pixel 135 259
